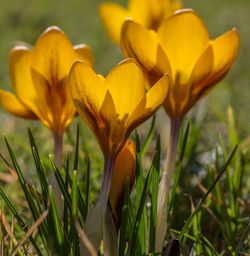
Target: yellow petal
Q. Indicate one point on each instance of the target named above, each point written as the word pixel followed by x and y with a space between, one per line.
pixel 86 52
pixel 182 97
pixel 19 69
pixel 53 56
pixel 225 51
pixel 203 67
pixel 183 37
pixel 21 77
pixel 126 86
pixel 175 5
pixel 150 103
pixel 113 16
pixel 13 105
pixel 151 13
pixel 142 11
pixel 142 44
pixel 86 85
pixel 157 94
pixel 124 169
pixel 88 93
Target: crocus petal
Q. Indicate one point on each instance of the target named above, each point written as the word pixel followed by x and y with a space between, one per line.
pixel 141 11
pixel 126 86
pixel 203 66
pixel 157 94
pixel 150 103
pixel 142 44
pixel 176 5
pixel 225 51
pixel 88 93
pixel 113 16
pixel 182 97
pixel 53 56
pixel 86 52
pixel 151 13
pixel 20 75
pixel 183 37
pixel 86 85
pixel 13 105
pixel 124 170
pixel 19 69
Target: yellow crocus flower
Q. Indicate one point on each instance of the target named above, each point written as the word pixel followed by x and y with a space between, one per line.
pixel 181 47
pixel 112 107
pixel 149 13
pixel 124 169
pixel 40 79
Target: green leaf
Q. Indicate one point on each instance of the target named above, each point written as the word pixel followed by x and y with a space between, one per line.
pixel 87 182
pixel 134 249
pixel 59 179
pixel 39 168
pixel 139 190
pixel 20 221
pixel 149 137
pixel 155 177
pixel 30 200
pixel 76 148
pixel 178 171
pixel 124 220
pixel 74 196
pixel 56 218
pixel 198 207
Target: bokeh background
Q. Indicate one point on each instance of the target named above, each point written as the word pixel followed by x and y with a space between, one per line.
pixel 25 20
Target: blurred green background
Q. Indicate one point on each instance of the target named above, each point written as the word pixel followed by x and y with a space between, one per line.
pixel 25 20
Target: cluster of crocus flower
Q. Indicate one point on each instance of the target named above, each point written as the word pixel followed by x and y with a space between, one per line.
pixel 171 61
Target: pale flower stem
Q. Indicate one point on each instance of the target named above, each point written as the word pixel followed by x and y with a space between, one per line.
pixel 164 185
pixel 106 182
pixel 58 147
pixel 94 224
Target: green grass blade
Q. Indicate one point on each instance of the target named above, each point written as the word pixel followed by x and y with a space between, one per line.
pixel 56 219
pixel 39 167
pixel 184 142
pixel 74 196
pixel 149 137
pixel 245 239
pixel 177 173
pixel 87 182
pixel 61 183
pixel 30 200
pixel 139 190
pixel 21 223
pixel 66 205
pixel 198 207
pixel 124 220
pixel 134 248
pixel 77 148
pixel 155 177
pixel 81 205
